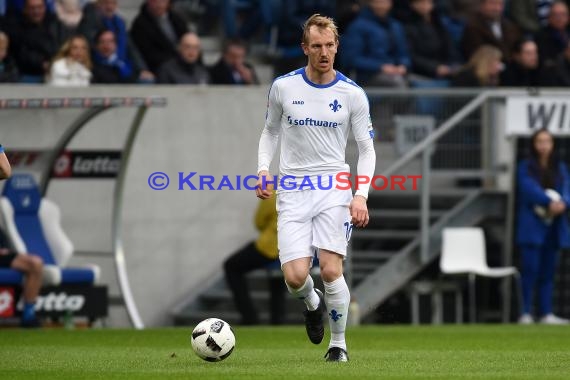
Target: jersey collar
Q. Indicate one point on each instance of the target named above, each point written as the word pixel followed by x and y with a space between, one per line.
pixel 336 79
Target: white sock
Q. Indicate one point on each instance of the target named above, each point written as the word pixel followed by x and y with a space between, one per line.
pixel 337 299
pixel 307 294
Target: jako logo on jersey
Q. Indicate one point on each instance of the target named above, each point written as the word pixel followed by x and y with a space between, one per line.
pixel 335 105
pixel 312 122
pixel 298 102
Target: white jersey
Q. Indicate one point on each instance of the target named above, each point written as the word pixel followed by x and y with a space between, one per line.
pixel 314 122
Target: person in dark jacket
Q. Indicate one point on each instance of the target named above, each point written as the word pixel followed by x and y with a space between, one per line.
pixel 8 69
pixel 543 192
pixel 35 38
pixel 108 67
pixel 557 74
pixel 231 68
pixel 523 71
pixel 489 27
pixel 431 48
pixel 554 37
pixel 186 67
pixel 102 14
pixel 156 31
pixel 530 15
pixel 375 47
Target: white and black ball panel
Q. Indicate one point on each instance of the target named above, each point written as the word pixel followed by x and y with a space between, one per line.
pixel 213 339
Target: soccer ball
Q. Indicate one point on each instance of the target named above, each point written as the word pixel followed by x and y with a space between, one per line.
pixel 213 339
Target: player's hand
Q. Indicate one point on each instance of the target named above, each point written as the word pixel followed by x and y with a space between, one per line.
pixel 268 191
pixel 359 211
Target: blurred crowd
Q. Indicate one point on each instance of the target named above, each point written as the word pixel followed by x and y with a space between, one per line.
pixel 463 43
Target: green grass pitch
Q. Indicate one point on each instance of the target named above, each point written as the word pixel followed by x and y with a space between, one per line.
pixel 376 352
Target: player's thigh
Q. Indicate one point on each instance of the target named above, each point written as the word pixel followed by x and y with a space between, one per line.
pixel 294 232
pixel 332 225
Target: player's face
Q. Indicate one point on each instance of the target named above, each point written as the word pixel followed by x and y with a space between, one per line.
pixel 321 48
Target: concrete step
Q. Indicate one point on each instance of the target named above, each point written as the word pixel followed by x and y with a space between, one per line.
pixel 372 255
pixel 384 234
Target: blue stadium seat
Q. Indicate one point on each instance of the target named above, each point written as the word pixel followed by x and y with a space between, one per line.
pixel 33 225
pixel 10 277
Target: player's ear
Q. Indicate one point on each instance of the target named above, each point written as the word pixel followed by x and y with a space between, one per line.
pixel 305 48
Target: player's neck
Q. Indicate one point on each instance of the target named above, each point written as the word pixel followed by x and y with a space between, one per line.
pixel 320 78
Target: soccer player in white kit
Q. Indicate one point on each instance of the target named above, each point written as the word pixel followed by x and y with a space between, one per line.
pixel 313 109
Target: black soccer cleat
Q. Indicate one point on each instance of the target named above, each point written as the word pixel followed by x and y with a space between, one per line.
pixel 314 322
pixel 336 354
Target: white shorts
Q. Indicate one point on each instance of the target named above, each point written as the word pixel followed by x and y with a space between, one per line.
pixel 312 219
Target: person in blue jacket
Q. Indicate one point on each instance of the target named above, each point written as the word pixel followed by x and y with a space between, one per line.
pixel 542 225
pixel 375 47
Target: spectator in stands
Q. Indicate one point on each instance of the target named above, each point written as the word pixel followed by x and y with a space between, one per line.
pixel 553 38
pixel 489 27
pixel 530 15
pixel 375 47
pixel 71 67
pixel 8 69
pixel 558 74
pixel 186 67
pixel 107 66
pixel 294 13
pixel 232 68
pixel 35 40
pixel 103 14
pixel 253 14
pixel 523 71
pixel 432 50
pixel 542 225
pixel 482 70
pixel 156 31
pixel 455 14
pixel 15 8
pixel 346 11
pixel 69 13
pixel 30 265
pixel 255 255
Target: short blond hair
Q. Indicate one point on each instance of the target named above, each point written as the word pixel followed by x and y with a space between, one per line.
pixel 321 22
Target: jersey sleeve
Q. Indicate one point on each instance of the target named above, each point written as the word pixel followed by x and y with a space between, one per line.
pixel 270 134
pixel 364 136
pixel 360 117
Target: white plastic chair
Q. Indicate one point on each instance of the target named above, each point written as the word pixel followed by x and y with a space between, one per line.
pixel 463 252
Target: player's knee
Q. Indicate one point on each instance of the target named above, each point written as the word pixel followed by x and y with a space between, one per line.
pixel 329 272
pixel 295 280
pixel 36 264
